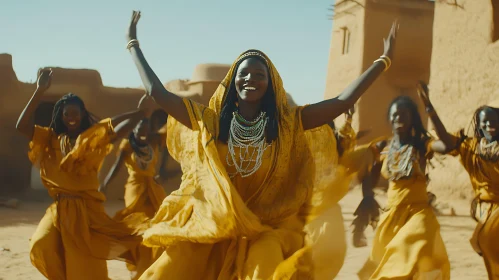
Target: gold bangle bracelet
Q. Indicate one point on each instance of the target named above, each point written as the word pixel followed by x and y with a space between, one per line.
pixel 132 43
pixel 387 59
pixel 384 62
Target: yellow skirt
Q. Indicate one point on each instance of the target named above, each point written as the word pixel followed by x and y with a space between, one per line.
pixel 273 255
pixel 407 245
pixel 142 195
pixel 327 239
pixel 75 231
pixel 485 239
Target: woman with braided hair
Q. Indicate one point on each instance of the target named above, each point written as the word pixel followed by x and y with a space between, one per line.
pixel 407 242
pixel 76 236
pixel 479 155
pixel 249 173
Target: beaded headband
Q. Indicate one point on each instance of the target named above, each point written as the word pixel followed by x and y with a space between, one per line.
pixel 253 53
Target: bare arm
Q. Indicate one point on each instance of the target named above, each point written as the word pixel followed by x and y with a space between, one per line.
pixel 26 122
pixel 371 180
pixel 124 123
pixel 171 103
pixel 115 169
pixel 446 142
pixel 323 112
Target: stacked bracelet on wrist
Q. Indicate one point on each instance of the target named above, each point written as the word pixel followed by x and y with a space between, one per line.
pixel 131 43
pixel 386 60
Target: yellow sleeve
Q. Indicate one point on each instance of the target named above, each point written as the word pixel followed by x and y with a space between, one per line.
pixel 39 143
pixel 464 144
pixel 90 149
pixel 179 138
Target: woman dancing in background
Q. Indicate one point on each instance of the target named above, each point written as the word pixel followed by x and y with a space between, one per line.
pixel 75 237
pixel 479 156
pixel 140 153
pixel 248 171
pixel 407 243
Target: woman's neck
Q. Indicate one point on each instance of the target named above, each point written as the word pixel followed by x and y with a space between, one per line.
pixel 73 134
pixel 402 139
pixel 249 111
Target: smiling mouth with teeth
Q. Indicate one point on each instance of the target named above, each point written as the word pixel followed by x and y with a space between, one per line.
pixel 142 138
pixel 249 88
pixel 72 123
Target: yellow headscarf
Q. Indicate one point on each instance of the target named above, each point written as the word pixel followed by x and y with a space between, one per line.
pixel 207 207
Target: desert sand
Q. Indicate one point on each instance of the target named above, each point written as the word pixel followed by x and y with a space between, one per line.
pixel 17 225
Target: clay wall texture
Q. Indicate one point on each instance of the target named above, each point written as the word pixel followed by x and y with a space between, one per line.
pixel 464 76
pixel 450 44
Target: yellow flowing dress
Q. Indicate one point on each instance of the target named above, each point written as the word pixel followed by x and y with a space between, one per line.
pixel 218 227
pixel 76 236
pixel 407 243
pixel 325 225
pixel 484 176
pixel 142 195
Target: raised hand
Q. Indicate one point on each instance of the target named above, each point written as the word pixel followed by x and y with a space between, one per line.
pixel 389 43
pixel 44 79
pixel 424 94
pixel 132 29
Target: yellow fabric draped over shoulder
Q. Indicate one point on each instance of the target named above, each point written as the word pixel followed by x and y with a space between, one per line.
pixel 207 207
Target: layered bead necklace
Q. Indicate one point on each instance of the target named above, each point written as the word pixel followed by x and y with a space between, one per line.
pixel 246 144
pixel 143 153
pixel 400 161
pixel 488 151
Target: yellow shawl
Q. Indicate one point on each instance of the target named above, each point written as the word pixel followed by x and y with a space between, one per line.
pixel 207 207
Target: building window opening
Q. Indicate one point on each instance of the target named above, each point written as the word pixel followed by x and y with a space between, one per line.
pixel 346 40
pixel 495 20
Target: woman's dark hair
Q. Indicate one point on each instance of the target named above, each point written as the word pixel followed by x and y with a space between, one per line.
pixel 57 124
pixel 420 134
pixel 475 122
pixel 269 106
pixel 133 141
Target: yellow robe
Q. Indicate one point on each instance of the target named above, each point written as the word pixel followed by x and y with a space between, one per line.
pixel 484 176
pixel 407 243
pixel 215 227
pixel 76 229
pixel 325 226
pixel 142 195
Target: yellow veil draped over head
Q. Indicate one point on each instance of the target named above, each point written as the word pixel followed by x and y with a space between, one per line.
pixel 207 207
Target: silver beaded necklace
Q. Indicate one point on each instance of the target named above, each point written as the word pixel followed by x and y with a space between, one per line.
pixel 246 144
pixel 402 167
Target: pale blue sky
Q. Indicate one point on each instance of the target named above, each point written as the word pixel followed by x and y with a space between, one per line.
pixel 175 35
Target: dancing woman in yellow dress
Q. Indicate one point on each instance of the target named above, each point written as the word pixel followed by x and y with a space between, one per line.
pixel 480 158
pixel 75 237
pixel 407 243
pixel 247 171
pixel 140 153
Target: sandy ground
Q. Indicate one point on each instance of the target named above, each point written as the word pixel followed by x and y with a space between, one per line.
pixel 17 225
